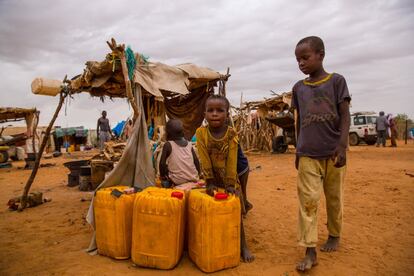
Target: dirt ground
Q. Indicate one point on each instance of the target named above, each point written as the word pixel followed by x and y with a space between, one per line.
pixel 378 234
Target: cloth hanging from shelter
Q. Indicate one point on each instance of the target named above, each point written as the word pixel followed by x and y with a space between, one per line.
pixel 189 109
pixel 135 168
pixel 154 77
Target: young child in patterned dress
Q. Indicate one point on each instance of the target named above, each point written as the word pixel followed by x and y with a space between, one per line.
pixel 217 145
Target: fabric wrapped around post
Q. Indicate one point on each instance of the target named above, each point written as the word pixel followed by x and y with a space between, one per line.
pixel 135 167
pixel 189 109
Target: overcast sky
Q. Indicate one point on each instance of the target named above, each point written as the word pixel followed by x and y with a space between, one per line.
pixel 369 42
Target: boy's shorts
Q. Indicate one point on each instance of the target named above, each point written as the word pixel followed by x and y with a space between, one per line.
pixel 242 162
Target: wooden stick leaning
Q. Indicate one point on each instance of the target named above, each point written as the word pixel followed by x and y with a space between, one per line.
pixel 29 182
pixel 34 126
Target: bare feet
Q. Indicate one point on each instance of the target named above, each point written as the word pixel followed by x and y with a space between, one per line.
pixel 247 257
pixel 331 244
pixel 309 261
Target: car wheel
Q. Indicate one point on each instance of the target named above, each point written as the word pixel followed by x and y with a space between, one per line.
pixel 353 139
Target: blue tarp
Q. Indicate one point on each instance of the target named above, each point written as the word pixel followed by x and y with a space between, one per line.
pixel 150 132
pixel 117 130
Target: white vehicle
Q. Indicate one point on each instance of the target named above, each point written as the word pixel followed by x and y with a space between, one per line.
pixel 362 128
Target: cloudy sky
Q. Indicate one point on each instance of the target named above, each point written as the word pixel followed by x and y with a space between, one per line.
pixel 369 42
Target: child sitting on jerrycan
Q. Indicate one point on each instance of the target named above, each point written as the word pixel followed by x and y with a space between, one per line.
pixel 217 145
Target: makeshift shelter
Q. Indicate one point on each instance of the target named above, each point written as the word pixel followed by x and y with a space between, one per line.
pixel 252 123
pixel 15 114
pixel 154 90
pixel 70 138
pixel 176 91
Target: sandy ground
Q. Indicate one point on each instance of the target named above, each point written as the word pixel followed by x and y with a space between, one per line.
pixel 378 236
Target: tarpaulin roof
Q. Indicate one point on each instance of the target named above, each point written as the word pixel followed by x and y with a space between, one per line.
pixel 106 79
pixel 69 131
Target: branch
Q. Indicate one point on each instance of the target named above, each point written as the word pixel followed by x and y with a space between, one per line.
pixel 39 155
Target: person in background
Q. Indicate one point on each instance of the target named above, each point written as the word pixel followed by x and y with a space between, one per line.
pixel 103 130
pixel 381 126
pixel 393 130
pixel 128 129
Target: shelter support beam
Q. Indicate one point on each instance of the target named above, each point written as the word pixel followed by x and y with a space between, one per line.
pixel 119 50
pixel 29 182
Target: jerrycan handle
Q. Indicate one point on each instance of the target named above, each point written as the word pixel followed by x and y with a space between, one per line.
pixel 116 193
pixel 220 196
pixel 178 195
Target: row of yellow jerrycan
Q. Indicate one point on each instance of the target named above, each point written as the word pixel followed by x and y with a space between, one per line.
pixel 149 227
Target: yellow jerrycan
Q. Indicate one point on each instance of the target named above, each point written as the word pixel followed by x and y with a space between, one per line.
pixel 158 228
pixel 213 230
pixel 113 221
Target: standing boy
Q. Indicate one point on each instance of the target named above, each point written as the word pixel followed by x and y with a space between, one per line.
pixel 393 129
pixel 322 104
pixel 103 130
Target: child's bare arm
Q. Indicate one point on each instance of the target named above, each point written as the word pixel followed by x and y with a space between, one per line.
pixel 340 152
pixel 166 151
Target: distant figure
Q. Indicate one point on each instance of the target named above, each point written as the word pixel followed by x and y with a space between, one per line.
pixel 322 105
pixel 393 130
pixel 103 130
pixel 128 129
pixel 179 163
pixel 381 127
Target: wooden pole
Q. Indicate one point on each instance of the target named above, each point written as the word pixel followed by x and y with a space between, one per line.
pixel 119 50
pixel 39 155
pixel 128 87
pixel 406 130
pixel 241 100
pixel 34 125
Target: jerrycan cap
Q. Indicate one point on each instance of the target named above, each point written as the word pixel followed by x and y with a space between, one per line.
pixel 178 195
pixel 220 196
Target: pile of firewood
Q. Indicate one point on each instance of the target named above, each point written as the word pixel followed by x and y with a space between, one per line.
pixel 112 152
pixel 255 133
